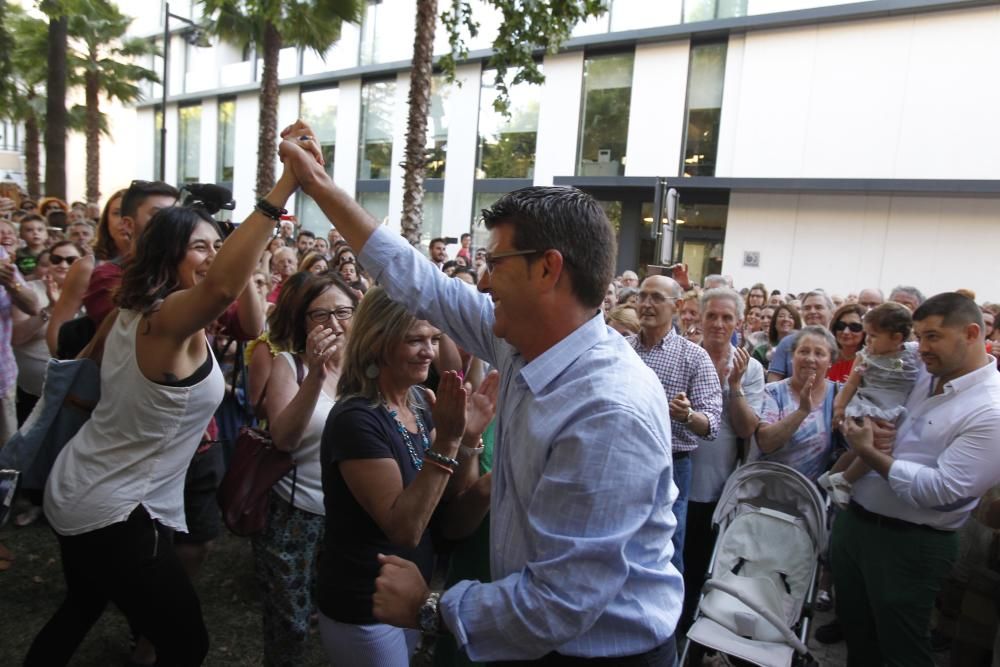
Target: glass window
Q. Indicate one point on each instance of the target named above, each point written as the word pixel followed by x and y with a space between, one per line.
pixel 387 31
pixel 188 144
pixel 707 10
pixel 433 213
pixel 376 203
pixel 437 127
pixel 507 146
pixel 482 200
pixel 226 158
pixel 157 143
pixel 377 105
pixel 607 93
pixel 319 109
pixel 704 100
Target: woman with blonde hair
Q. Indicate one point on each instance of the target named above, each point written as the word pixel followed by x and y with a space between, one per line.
pixel 391 454
pixel 623 320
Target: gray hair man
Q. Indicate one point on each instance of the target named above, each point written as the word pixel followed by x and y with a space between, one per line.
pixel 817 310
pixel 689 380
pixel 908 296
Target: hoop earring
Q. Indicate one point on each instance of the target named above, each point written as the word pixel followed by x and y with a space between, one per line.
pixel 371 371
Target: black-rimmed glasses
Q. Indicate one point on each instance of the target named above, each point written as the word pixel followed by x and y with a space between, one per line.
pixel 322 315
pixel 491 258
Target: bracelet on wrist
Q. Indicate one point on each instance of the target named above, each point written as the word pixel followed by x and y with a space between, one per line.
pixel 431 455
pixel 439 466
pixel 270 210
pixel 466 452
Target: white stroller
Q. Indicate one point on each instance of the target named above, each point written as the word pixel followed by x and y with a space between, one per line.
pixel 762 577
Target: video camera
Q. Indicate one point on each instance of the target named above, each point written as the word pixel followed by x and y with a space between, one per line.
pixel 211 198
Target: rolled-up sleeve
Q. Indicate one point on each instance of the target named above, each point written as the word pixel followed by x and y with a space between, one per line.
pixel 590 501
pixel 412 280
pixel 705 393
pixel 965 470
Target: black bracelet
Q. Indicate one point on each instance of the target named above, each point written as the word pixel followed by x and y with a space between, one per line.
pixel 270 210
pixel 441 458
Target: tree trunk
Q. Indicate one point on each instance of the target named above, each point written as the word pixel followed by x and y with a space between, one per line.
pixel 31 167
pixel 93 132
pixel 55 111
pixel 416 124
pixel 268 117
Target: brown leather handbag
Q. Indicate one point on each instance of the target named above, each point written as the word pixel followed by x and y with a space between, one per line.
pixel 257 465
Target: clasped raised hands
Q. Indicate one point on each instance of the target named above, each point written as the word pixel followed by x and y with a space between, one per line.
pixel 302 156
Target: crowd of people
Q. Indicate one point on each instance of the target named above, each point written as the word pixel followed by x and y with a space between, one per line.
pixel 554 437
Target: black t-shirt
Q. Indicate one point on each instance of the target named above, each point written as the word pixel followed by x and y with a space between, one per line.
pixel 352 541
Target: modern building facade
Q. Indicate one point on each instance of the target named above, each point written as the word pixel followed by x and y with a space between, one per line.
pixel 812 143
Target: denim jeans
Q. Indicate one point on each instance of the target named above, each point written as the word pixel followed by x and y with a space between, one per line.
pixel 682 478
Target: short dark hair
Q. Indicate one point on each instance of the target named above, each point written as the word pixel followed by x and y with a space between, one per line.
pixel 287 323
pixel 151 274
pixel 890 317
pixel 140 191
pixel 464 236
pixel 306 232
pixel 567 220
pixel 436 240
pixel 32 217
pixel 955 310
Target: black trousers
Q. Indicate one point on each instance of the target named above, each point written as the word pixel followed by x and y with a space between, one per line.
pixel 664 655
pixel 132 564
pixel 697 555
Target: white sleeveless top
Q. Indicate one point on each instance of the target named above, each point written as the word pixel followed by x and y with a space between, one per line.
pixel 136 447
pixel 309 477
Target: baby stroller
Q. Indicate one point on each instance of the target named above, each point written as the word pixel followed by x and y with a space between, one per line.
pixel 762 577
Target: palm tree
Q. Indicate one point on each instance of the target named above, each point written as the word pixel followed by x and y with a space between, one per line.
pixel 55 100
pixel 103 62
pixel 24 96
pixel 529 25
pixel 416 123
pixel 272 25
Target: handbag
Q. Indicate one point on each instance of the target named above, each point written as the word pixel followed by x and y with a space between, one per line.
pixel 257 465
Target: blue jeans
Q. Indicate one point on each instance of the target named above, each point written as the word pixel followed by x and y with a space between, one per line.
pixel 682 478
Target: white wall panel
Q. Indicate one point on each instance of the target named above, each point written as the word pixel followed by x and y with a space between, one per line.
pixel 901 97
pixel 656 118
pixel 460 168
pixel 559 117
pixel 245 154
pixel 847 242
pixel 345 162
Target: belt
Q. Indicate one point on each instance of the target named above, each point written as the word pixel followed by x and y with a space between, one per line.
pixel 682 455
pixel 891 522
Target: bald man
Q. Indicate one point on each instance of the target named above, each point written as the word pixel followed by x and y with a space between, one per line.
pixel 690 381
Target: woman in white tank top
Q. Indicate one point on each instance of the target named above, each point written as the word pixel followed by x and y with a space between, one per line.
pixel 115 493
pixel 313 319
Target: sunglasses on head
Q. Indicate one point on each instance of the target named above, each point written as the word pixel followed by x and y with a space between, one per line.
pixel 56 260
pixel 855 327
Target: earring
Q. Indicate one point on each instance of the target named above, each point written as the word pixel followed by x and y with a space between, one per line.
pixel 371 371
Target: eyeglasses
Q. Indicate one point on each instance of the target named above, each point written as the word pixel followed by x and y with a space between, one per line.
pixel 491 258
pixel 321 315
pixel 855 327
pixel 56 260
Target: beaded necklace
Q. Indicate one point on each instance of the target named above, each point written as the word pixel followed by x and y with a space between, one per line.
pixel 417 459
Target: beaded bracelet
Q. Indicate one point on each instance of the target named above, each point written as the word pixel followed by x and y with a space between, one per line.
pixel 270 210
pixel 431 455
pixel 438 465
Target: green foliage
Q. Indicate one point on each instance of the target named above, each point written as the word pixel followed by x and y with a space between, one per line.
pixel 98 46
pixel 311 24
pixel 27 42
pixel 527 26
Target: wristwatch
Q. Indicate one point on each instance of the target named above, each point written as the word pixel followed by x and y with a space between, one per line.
pixel 428 616
pixel 687 420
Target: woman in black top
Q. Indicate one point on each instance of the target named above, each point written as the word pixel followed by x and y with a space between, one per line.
pixel 390 455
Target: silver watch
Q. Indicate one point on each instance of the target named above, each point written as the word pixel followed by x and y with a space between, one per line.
pixel 428 617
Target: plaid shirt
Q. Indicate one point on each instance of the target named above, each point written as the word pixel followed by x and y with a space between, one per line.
pixel 685 367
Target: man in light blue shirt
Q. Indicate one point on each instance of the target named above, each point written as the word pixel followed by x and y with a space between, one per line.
pixel 582 487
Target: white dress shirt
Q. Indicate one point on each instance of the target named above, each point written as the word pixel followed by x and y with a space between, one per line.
pixel 947 452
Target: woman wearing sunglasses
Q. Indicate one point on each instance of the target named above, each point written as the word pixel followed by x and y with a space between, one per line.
pixel 850 334
pixel 28 335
